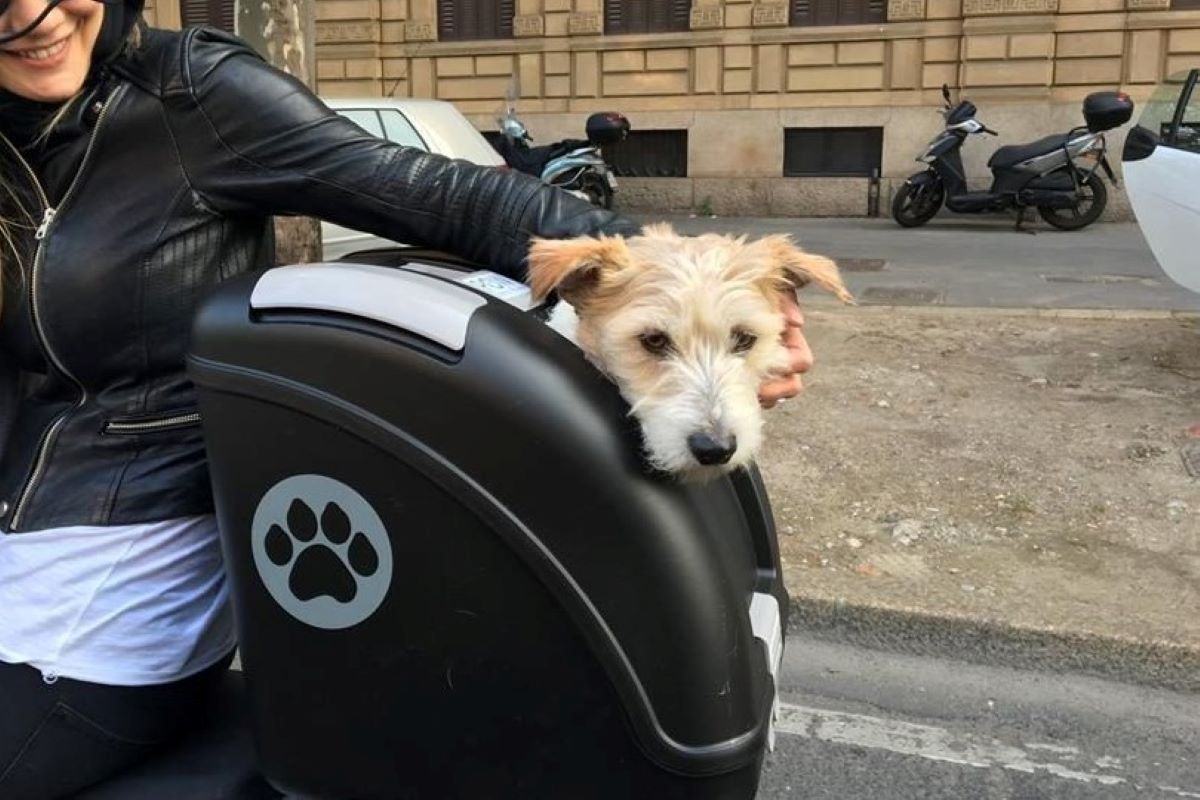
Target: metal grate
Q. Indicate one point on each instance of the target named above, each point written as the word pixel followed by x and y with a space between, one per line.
pixel 832 152
pixel 650 154
pixel 900 296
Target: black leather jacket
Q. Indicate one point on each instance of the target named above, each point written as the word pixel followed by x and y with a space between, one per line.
pixel 192 143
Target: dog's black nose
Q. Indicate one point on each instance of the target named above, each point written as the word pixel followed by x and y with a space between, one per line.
pixel 710 452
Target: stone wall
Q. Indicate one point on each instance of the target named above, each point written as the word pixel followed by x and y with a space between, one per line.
pixel 741 75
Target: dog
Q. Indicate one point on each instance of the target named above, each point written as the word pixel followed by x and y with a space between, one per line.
pixel 688 327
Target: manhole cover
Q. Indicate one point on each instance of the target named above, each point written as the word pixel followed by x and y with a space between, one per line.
pixel 1191 458
pixel 860 264
pixel 898 296
pixel 1102 279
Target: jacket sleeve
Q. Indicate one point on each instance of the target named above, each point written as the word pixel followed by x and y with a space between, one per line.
pixel 254 140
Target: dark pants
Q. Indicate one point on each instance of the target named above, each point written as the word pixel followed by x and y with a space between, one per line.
pixel 57 738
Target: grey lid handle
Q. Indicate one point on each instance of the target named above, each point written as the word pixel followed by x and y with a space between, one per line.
pixel 420 304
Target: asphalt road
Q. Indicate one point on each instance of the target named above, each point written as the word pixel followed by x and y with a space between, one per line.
pixel 970 261
pixel 861 725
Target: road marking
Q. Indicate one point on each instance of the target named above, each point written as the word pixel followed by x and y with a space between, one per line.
pixel 941 744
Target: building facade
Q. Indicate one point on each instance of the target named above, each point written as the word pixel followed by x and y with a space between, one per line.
pixel 753 106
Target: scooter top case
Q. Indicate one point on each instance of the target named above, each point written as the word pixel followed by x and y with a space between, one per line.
pixel 452 573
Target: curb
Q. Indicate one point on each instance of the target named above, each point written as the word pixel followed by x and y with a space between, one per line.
pixel 1158 664
pixel 823 305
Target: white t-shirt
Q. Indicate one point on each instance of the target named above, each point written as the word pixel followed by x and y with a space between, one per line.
pixel 125 605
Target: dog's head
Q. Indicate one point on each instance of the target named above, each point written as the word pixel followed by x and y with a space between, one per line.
pixel 687 327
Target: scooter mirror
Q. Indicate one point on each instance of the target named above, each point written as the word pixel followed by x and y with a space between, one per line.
pixel 946 93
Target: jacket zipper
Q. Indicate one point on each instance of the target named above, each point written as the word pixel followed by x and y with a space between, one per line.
pixel 43 230
pixel 129 427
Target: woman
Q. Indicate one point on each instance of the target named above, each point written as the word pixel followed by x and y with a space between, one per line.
pixel 138 168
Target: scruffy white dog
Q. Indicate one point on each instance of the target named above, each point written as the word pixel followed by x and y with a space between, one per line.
pixel 687 327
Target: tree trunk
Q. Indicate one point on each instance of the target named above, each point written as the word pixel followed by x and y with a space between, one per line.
pixel 284 32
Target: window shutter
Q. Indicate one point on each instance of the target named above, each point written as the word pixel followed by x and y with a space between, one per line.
pixel 681 15
pixel 447 20
pixel 469 20
pixel 802 13
pixel 504 24
pixel 647 16
pixel 659 16
pixel 826 12
pixel 838 12
pixel 614 17
pixel 217 13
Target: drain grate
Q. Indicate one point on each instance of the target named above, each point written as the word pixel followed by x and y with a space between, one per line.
pixel 1103 279
pixel 900 296
pixel 860 264
pixel 1191 458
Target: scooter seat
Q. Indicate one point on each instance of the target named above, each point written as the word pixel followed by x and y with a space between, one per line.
pixel 533 160
pixel 214 762
pixel 1016 153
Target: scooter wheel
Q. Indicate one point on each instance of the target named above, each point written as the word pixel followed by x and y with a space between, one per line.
pixel 913 206
pixel 1093 197
pixel 599 193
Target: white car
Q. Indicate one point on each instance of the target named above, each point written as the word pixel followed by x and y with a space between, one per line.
pixel 1161 162
pixel 432 125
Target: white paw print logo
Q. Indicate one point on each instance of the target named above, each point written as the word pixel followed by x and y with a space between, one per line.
pixel 321 551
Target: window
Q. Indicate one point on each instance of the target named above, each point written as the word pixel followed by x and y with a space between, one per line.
pixel 469 20
pixel 386 123
pixel 397 128
pixel 837 12
pixel 647 16
pixel 1187 131
pixel 365 118
pixel 217 13
pixel 1184 4
pixel 832 152
pixel 1173 112
pixel 650 154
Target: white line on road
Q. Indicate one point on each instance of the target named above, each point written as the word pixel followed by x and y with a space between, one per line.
pixel 941 744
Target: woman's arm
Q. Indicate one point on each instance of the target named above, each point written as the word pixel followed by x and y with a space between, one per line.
pixel 254 140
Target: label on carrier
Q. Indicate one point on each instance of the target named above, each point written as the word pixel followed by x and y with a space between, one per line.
pixel 765 623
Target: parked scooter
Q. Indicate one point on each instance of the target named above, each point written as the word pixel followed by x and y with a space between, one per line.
pixel 576 165
pixel 1056 175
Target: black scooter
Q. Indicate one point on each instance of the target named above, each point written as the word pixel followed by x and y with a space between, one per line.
pixel 1056 175
pixel 576 165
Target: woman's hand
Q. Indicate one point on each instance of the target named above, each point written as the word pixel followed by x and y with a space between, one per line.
pixel 800 356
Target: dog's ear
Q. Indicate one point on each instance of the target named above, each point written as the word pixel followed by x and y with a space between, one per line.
pixel 575 267
pixel 800 268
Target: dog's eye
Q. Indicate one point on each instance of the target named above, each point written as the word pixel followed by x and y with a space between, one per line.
pixel 656 342
pixel 743 341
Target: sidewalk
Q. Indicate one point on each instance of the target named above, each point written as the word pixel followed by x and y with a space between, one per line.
pixel 989 462
pixel 998 486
